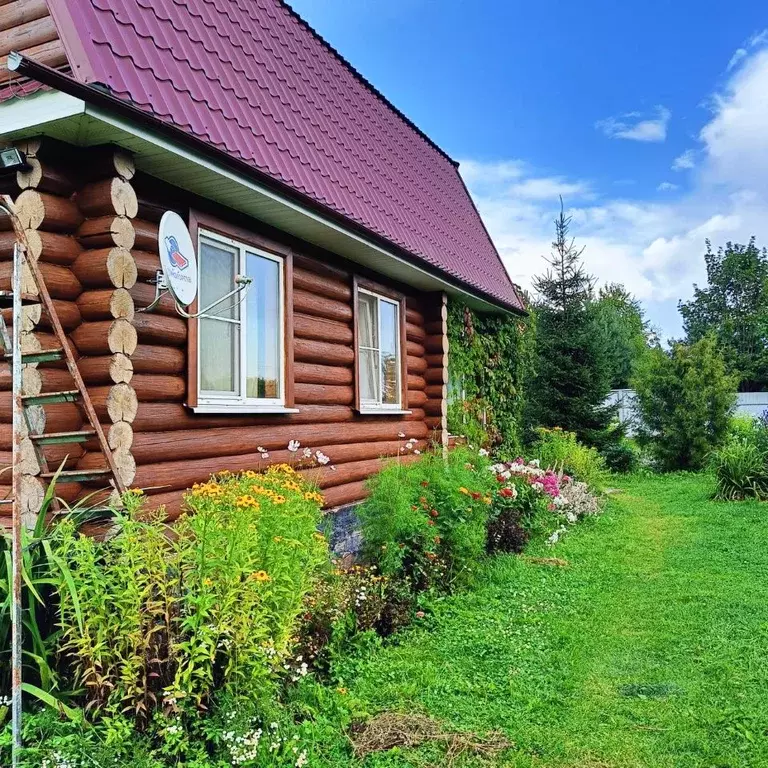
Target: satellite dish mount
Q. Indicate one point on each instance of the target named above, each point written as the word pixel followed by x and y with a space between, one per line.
pixel 178 273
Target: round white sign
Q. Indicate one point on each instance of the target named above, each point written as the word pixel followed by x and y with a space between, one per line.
pixel 177 258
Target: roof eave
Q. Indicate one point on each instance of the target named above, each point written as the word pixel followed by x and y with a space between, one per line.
pixel 101 98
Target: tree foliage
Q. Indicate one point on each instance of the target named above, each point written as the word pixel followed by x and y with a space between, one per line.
pixel 734 307
pixel 684 397
pixel 573 366
pixel 627 334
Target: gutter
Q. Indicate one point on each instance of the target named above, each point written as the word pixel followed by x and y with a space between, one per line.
pixel 100 97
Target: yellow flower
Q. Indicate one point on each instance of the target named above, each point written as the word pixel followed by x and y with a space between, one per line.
pixel 261 576
pixel 464 491
pixel 250 474
pixel 277 539
pixel 136 491
pixel 278 499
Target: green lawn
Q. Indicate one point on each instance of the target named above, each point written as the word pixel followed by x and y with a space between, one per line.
pixel 650 649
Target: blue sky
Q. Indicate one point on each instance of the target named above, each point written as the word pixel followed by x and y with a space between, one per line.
pixel 651 119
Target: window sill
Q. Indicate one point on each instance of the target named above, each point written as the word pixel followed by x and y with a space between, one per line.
pixel 382 412
pixel 256 410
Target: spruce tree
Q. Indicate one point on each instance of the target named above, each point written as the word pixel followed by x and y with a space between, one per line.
pixel 574 370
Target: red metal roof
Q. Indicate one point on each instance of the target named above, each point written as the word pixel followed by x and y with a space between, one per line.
pixel 251 78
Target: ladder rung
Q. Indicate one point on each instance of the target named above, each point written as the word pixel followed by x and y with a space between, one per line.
pixel 44 398
pixel 43 356
pixel 76 475
pixel 6 501
pixel 56 438
pixel 6 299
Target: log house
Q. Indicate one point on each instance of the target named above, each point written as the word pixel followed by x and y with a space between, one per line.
pixel 355 227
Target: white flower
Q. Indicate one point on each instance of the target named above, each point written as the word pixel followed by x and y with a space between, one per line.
pixel 482 452
pixel 302 759
pixel 261 449
pixel 321 458
pixel 265 455
pixel 307 453
pixel 401 434
pixel 417 451
pixel 534 463
pixel 333 468
pixel 293 446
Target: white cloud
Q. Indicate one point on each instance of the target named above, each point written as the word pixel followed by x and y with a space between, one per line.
pixel 633 126
pixel 654 246
pixel 686 161
pixel 667 186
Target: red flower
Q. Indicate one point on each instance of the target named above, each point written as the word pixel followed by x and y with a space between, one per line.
pixel 475 495
pixel 430 522
pixel 500 478
pixel 414 507
pixel 437 539
pixel 422 500
pixel 434 513
pixel 507 492
pixel 424 484
pixel 431 555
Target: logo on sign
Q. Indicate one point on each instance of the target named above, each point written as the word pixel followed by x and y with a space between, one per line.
pixel 175 255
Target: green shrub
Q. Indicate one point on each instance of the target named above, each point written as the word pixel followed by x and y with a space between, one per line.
pixel 741 471
pixel 561 451
pixel 159 622
pixel 685 399
pixel 426 521
pixel 621 456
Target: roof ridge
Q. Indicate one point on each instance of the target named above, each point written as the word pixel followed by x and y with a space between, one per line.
pixel 368 84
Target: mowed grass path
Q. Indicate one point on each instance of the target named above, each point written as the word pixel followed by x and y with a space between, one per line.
pixel 649 650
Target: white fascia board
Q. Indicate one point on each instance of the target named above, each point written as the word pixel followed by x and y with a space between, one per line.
pixel 33 114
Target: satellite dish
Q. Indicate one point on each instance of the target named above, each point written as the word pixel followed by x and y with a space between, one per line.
pixel 177 258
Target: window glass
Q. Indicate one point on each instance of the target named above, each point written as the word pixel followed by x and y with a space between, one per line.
pixel 378 334
pixel 390 367
pixel 240 340
pixel 263 332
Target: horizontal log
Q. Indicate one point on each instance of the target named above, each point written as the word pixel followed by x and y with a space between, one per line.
pixel 354 471
pixel 46 178
pixel 434 423
pixel 312 373
pixel 106 304
pixel 68 492
pixel 435 407
pixel 436 344
pixel 106 267
pixel 37 379
pixel 108 197
pixel 347 493
pixel 435 391
pixel 147 264
pixel 156 388
pixel 414 349
pixel 436 375
pixel 437 360
pixel 434 328
pixel 161 417
pixel 416 382
pixel 308 327
pixel 146 235
pixel 415 333
pixel 179 475
pixel 106 369
pixel 60 281
pixel 20 12
pixel 151 447
pixel 107 232
pixel 52 247
pixel 105 337
pixel 67 312
pixel 416 398
pixel 28 34
pixel 60 417
pixel 170 502
pixel 309 351
pixel 143 295
pixel 321 394
pixel 415 414
pixel 320 306
pixel 158 329
pixel 416 364
pixel 322 285
pixel 413 315
pixel 311 264
pixel 158 359
pixel 40 210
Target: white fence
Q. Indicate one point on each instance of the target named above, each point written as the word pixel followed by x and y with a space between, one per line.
pixel 747 403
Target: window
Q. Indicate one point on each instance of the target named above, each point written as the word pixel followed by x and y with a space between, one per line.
pixel 379 339
pixel 241 341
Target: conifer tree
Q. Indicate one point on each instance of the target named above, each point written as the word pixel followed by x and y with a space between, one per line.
pixel 574 371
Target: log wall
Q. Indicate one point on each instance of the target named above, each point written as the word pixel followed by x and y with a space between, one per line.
pixel 100 247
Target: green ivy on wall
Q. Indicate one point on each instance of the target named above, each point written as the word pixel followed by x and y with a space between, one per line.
pixel 490 361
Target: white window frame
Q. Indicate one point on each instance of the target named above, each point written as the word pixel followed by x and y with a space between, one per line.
pixel 377 406
pixel 210 400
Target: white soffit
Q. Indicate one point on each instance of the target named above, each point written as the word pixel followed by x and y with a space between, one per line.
pixel 69 119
